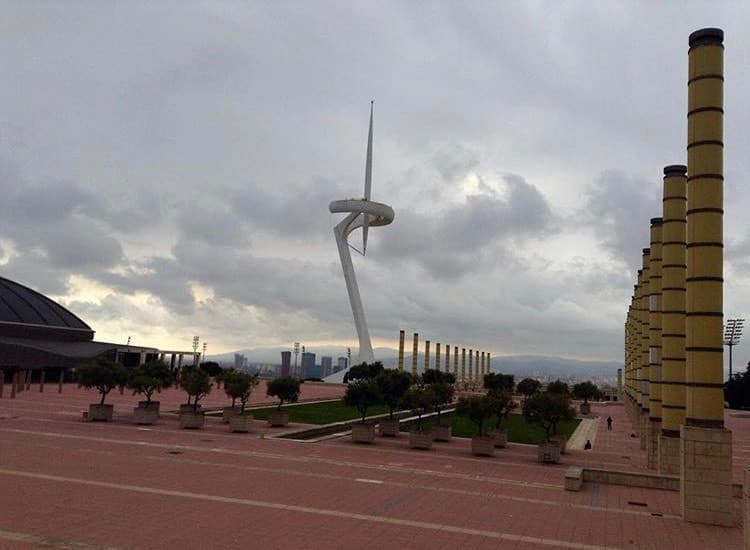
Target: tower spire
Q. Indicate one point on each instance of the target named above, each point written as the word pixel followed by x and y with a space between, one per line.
pixel 368 183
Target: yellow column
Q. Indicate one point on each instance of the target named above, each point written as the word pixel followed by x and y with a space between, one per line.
pixel 447 367
pixel 476 366
pixel 705 260
pixel 654 346
pixel 455 362
pixel 437 356
pixel 426 355
pixel 706 447
pixel 415 355
pixel 673 267
pixel 483 370
pixel 471 362
pixel 489 368
pixel 401 336
pixel 463 365
pixel 619 384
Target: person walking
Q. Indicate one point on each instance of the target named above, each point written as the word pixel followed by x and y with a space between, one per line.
pixel 609 423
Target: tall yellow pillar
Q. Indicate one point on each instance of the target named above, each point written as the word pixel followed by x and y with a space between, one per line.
pixel 489 363
pixel 463 365
pixel 619 384
pixel 447 367
pixel 673 253
pixel 644 353
pixel 426 355
pixel 705 469
pixel 455 362
pixel 415 355
pixel 476 367
pixel 471 362
pixel 401 336
pixel 654 346
pixel 437 356
pixel 483 370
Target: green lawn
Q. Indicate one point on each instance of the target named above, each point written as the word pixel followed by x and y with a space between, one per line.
pixel 518 430
pixel 319 413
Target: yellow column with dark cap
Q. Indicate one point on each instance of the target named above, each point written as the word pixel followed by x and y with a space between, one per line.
pixel 401 336
pixel 447 358
pixel 705 447
pixel 705 259
pixel 415 354
pixel 483 370
pixel 644 355
pixel 426 355
pixel 674 268
pixel 463 365
pixel 437 356
pixel 455 362
pixel 471 360
pixel 654 345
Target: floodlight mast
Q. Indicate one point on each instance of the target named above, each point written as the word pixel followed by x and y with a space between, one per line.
pixel 732 334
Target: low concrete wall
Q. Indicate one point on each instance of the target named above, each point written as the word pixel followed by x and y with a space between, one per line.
pixel 645 480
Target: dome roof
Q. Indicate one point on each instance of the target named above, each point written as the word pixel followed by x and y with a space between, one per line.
pixel 21 305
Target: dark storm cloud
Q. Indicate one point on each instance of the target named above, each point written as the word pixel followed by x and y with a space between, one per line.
pixel 619 208
pixel 483 227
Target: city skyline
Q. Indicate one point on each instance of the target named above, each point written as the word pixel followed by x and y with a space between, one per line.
pixel 161 186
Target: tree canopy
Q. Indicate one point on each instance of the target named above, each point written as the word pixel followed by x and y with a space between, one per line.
pixel 558 386
pixel 284 388
pixel 548 410
pixel 528 387
pixel 393 385
pixel 365 371
pixel 586 390
pixel 499 382
pixel 103 374
pixel 239 385
pixel 150 377
pixel 477 408
pixel 362 394
pixel 197 385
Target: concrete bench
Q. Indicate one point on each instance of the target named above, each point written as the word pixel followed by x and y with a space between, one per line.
pixel 574 479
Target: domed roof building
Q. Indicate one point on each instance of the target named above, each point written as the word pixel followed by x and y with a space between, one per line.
pixel 38 333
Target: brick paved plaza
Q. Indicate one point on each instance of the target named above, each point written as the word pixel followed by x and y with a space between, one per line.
pixel 65 483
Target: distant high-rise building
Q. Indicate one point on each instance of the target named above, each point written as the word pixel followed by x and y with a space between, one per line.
pixel 286 363
pixel 343 363
pixel 326 366
pixel 240 361
pixel 308 365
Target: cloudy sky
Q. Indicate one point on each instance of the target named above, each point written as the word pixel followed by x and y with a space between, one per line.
pixel 166 168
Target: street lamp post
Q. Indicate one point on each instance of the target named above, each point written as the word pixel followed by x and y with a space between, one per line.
pixel 732 335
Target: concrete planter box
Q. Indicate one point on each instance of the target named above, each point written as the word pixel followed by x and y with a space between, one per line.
pixel 101 413
pixel 187 408
pixel 155 405
pixel 499 437
pixel 585 408
pixel 145 415
pixel 482 445
pixel 420 440
pixel 278 418
pixel 228 412
pixel 363 433
pixel 240 423
pixel 388 427
pixel 561 440
pixel 191 420
pixel 549 452
pixel 442 433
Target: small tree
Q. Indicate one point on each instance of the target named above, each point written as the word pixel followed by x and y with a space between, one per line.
pixel 239 386
pixel 225 376
pixel 442 390
pixel 586 390
pixel 477 408
pixel 393 385
pixel 362 394
pixel 547 410
pixel 212 368
pixel 366 371
pixel 103 374
pixel 149 378
pixel 558 386
pixel 197 385
pixel 502 404
pixel 284 388
pixel 528 387
pixel 420 399
pixel 496 381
